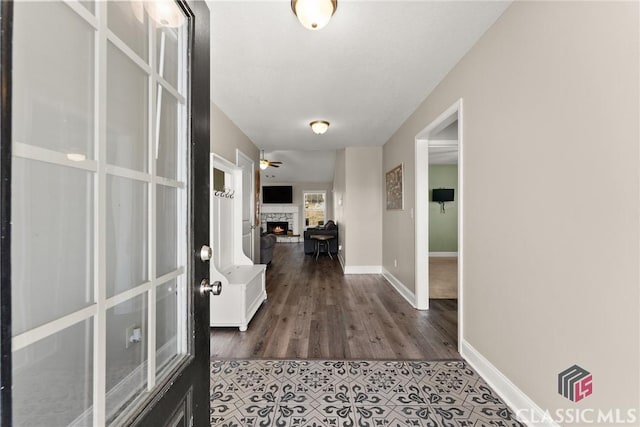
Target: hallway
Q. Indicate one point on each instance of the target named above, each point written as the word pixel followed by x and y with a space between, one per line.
pixel 313 311
pixel 372 359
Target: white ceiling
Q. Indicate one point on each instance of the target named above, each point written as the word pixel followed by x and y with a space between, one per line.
pixel 300 166
pixel 443 146
pixel 365 72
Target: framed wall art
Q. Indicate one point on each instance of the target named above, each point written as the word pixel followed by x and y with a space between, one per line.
pixel 394 186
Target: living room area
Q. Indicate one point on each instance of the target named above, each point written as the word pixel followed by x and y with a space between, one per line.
pixel 298 213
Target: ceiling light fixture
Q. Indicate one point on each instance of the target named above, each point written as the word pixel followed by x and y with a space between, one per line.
pixel 319 127
pixel 314 14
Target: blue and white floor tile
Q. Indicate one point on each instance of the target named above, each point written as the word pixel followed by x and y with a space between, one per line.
pixel 287 393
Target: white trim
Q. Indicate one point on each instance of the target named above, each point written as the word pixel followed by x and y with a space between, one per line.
pixel 400 287
pixel 128 173
pixel 170 182
pixel 170 89
pixel 515 398
pixel 363 269
pixel 128 52
pixel 443 254
pixel 83 12
pixel 33 152
pixel 421 147
pixel 100 292
pixel 461 193
pixel 421 227
pixel 26 338
pixel 128 386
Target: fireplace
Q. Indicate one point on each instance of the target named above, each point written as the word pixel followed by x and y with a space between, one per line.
pixel 277 227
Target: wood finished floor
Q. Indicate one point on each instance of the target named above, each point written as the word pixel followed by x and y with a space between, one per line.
pixel 313 311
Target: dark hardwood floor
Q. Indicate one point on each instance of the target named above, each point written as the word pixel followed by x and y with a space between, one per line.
pixel 313 311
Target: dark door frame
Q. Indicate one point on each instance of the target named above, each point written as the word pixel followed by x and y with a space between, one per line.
pixel 6 56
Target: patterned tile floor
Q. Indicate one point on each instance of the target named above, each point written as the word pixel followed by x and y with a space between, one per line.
pixel 276 393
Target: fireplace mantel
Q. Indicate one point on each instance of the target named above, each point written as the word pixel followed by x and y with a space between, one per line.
pixel 290 213
pixel 280 208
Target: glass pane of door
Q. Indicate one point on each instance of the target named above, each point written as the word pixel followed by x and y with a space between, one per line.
pixel 99 207
pixel 126 353
pixel 53 379
pixel 58 236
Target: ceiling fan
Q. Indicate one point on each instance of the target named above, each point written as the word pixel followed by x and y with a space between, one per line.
pixel 264 163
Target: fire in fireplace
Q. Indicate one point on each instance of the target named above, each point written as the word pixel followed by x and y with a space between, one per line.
pixel 277 227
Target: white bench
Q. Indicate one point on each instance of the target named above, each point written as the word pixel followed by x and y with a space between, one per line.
pixel 243 291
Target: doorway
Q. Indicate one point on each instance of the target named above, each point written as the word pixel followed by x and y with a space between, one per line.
pixel 440 143
pixel 248 204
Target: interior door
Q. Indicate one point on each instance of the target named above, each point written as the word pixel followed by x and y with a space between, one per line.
pixel 105 141
pixel 248 209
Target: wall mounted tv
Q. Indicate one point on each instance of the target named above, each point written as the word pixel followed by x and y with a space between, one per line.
pixel 442 195
pixel 277 194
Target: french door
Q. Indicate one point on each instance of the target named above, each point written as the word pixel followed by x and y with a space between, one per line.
pixel 105 141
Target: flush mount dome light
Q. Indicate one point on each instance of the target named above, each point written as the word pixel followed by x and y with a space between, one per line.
pixel 319 126
pixel 314 14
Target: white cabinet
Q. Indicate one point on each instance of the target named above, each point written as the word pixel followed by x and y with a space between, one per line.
pixel 243 283
pixel 241 296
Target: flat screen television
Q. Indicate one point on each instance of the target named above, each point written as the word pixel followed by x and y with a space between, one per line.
pixel 442 195
pixel 277 194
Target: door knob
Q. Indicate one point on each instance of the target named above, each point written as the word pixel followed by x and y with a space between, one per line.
pixel 215 289
pixel 205 253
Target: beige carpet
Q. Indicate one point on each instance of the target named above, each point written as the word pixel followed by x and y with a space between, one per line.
pixel 443 277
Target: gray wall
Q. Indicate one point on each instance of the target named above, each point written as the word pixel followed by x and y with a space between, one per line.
pixel 226 137
pixel 357 188
pixel 551 278
pixel 339 200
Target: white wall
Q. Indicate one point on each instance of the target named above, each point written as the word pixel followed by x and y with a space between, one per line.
pixel 362 209
pixel 226 137
pixel 339 201
pixel 551 270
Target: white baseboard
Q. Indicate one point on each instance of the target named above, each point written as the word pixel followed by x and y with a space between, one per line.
pixel 443 254
pixel 362 269
pixel 127 388
pixel 400 287
pixel 341 259
pixel 526 409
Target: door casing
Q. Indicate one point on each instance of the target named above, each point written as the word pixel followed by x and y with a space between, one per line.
pixel 422 210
